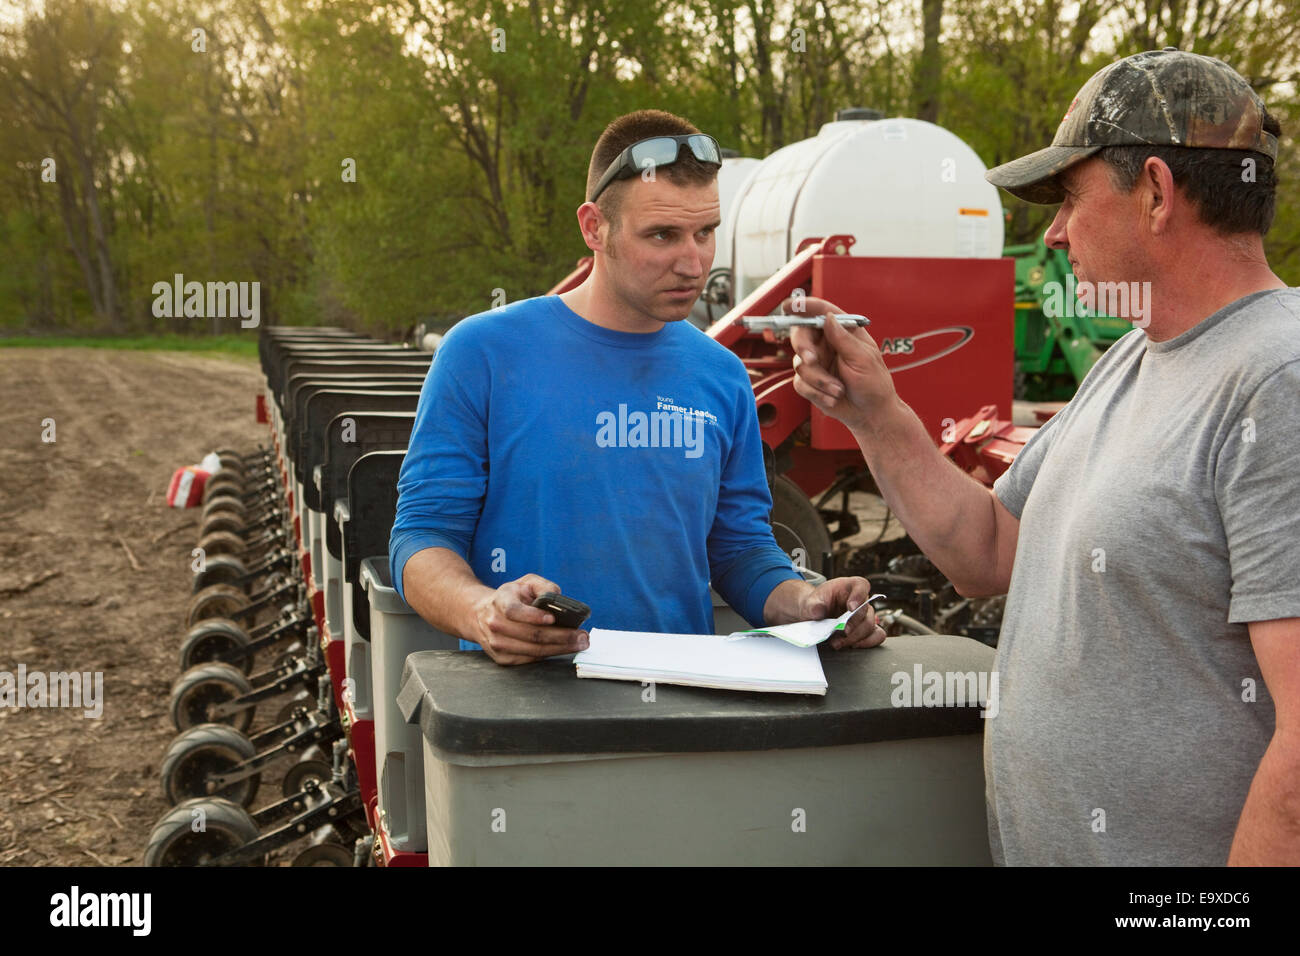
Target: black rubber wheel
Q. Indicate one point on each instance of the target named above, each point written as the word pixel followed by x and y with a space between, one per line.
pixel 222 521
pixel 219 600
pixel 228 476
pixel 222 542
pixel 796 523
pixel 301 772
pixel 224 501
pixel 222 483
pixel 1019 383
pixel 230 462
pixel 202 751
pixel 200 687
pixel 185 837
pixel 324 854
pixel 210 639
pixel 219 569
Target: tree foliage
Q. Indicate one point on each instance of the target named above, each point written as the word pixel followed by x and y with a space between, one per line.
pixel 381 164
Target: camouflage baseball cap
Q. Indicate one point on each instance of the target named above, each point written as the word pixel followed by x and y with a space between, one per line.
pixel 1162 98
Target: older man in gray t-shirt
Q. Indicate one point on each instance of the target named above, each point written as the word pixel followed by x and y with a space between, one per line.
pixel 1159 512
pixel 1148 536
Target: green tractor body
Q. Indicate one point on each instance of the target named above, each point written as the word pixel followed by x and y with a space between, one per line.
pixel 1057 339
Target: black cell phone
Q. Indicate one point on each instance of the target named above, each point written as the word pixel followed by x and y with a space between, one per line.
pixel 567 611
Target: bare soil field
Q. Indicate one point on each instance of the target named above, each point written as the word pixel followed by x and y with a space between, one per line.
pixel 95 576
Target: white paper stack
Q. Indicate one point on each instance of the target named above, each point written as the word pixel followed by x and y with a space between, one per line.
pixel 758 662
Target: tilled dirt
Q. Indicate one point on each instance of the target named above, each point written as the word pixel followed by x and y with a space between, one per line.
pixel 95 577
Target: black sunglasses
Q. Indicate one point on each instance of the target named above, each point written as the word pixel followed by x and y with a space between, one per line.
pixel 657 151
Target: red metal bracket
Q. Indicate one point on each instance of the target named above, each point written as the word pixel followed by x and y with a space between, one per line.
pixel 797 273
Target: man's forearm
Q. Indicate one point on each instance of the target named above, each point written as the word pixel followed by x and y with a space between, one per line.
pixel 948 513
pixel 1268 833
pixel 442 588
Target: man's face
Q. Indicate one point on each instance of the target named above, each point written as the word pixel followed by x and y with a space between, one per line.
pixel 658 254
pixel 1098 226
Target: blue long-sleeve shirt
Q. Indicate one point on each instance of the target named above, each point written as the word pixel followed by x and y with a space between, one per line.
pixel 625 467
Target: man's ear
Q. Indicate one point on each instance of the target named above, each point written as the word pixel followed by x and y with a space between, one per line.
pixel 590 222
pixel 1157 182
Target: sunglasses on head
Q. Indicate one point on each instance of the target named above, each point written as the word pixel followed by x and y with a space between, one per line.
pixel 657 151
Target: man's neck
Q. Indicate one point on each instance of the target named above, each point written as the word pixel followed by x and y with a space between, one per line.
pixel 592 302
pixel 1208 278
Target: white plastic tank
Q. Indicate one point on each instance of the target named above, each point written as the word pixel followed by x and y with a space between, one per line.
pixel 716 299
pixel 900 187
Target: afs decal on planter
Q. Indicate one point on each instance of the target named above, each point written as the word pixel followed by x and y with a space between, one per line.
pixel 926 347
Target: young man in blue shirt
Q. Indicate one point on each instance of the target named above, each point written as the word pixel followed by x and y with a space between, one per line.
pixel 595 441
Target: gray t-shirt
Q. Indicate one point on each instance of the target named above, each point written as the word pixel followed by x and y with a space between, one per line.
pixel 1159 512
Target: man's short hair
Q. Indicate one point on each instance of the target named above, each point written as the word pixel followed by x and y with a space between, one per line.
pixel 634 127
pixel 1228 197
